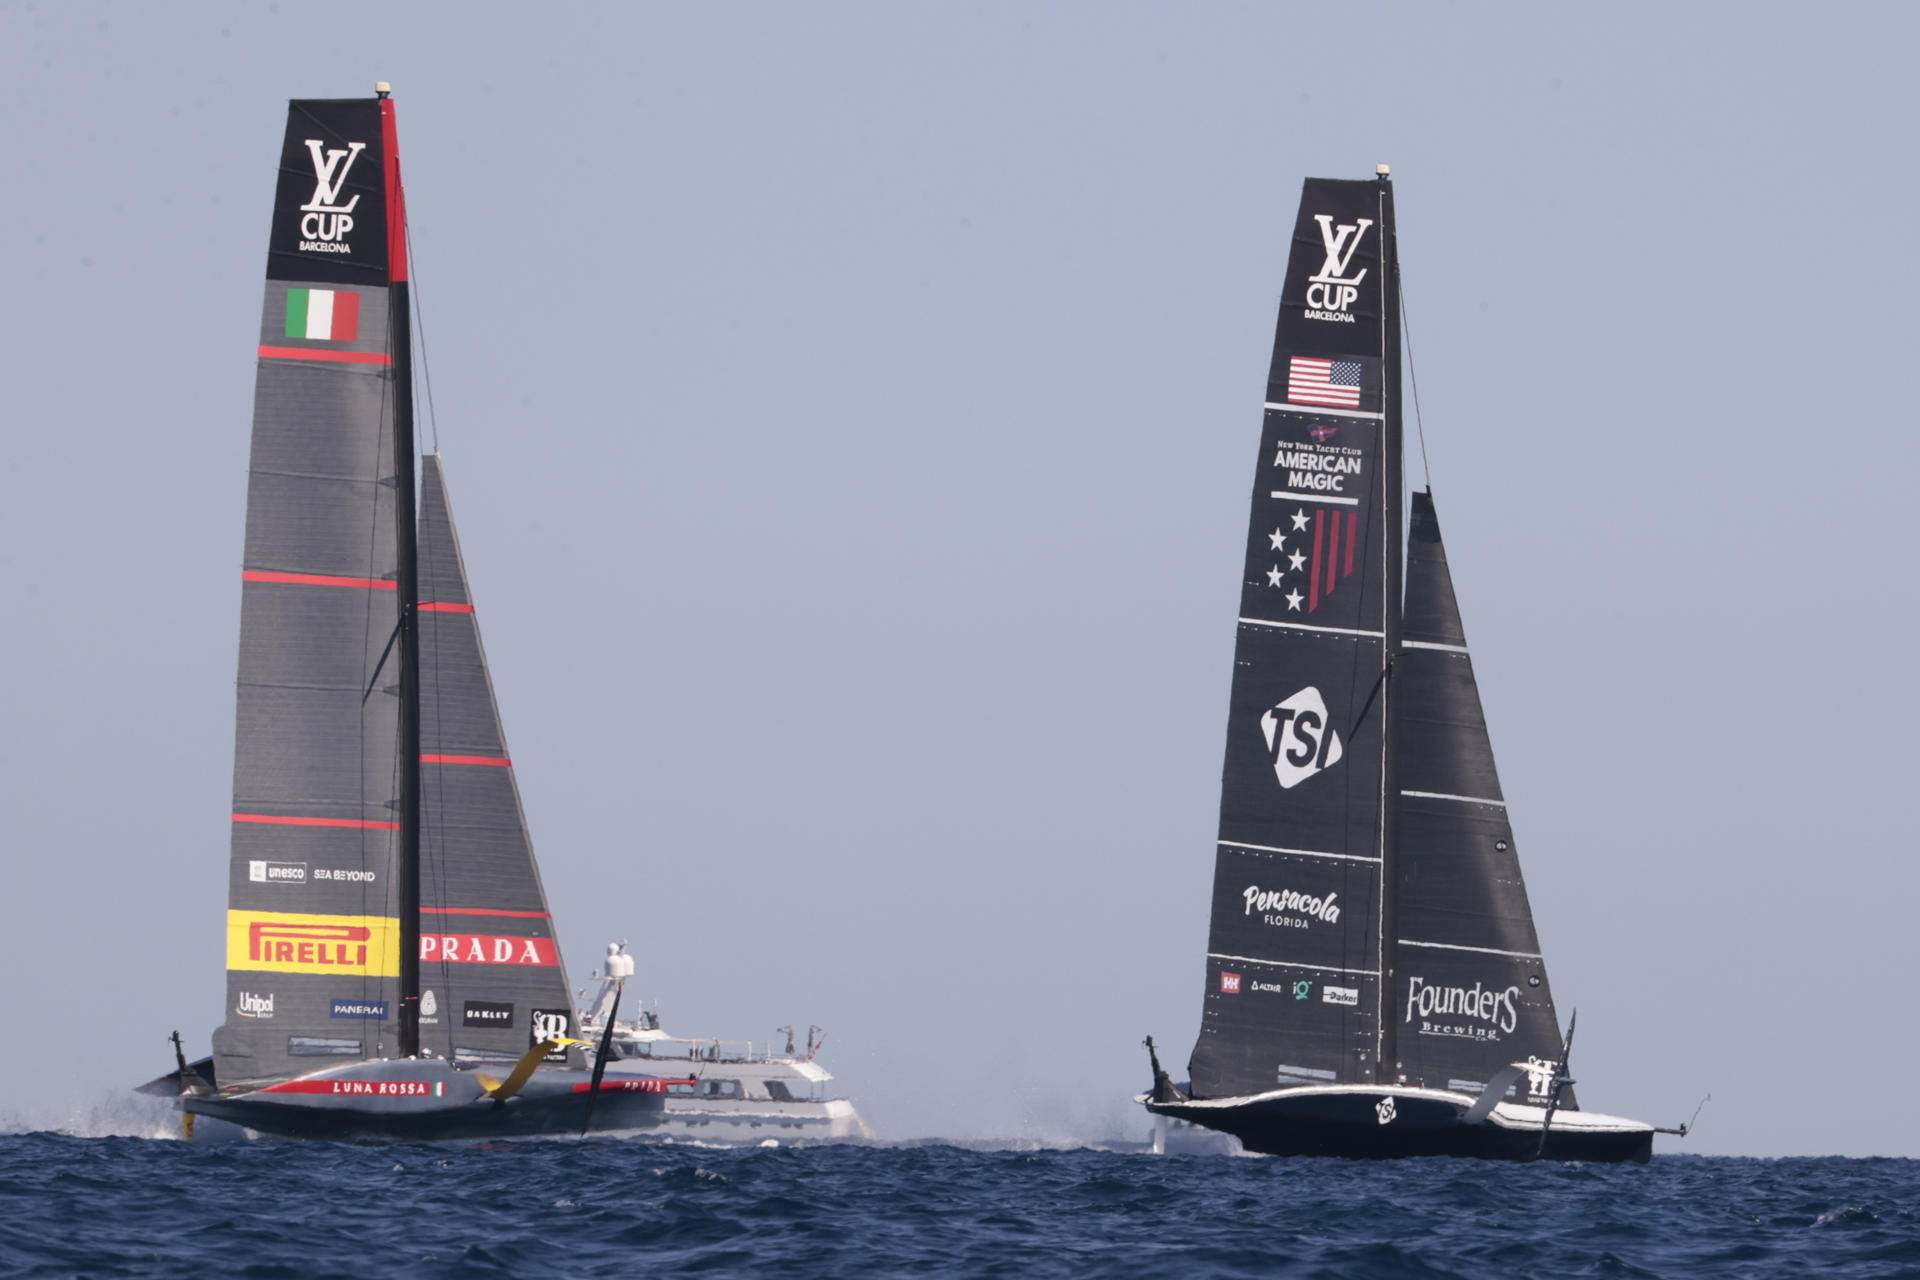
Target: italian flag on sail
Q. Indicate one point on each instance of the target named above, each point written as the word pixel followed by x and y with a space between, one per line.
pixel 329 314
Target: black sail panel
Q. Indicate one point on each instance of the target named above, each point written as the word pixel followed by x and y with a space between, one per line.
pixel 312 935
pixel 1294 956
pixel 1470 986
pixel 489 954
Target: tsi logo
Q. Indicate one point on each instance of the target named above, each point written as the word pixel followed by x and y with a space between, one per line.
pixel 1331 292
pixel 254 1006
pixel 324 221
pixel 1300 741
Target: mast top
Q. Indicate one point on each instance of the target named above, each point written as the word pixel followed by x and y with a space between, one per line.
pixel 1383 170
pixel 381 88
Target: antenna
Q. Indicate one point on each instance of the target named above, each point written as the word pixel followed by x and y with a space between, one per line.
pixel 382 89
pixel 1383 170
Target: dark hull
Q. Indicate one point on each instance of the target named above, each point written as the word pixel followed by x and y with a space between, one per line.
pixel 1348 1124
pixel 518 1118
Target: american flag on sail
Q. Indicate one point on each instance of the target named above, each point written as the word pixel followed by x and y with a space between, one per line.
pixel 1322 380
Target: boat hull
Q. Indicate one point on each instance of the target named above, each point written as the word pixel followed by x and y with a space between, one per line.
pixel 425 1100
pixel 1380 1124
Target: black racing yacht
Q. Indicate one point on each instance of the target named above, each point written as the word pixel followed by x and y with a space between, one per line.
pixel 1374 982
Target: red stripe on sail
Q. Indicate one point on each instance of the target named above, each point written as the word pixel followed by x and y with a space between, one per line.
pixel 483 911
pixel 281 820
pixel 1313 584
pixel 331 357
pixel 1353 523
pixel 444 606
pixel 497 762
pixel 1333 550
pixel 315 580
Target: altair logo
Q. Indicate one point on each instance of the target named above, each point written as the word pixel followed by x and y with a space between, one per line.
pixel 324 221
pixel 254 1006
pixel 1331 292
pixel 1300 741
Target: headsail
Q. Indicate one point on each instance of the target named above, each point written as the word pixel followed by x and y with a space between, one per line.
pixel 1294 953
pixel 489 953
pixel 313 938
pixel 1471 990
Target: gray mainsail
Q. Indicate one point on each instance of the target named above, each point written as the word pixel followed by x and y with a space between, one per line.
pixel 313 938
pixel 1470 986
pixel 489 955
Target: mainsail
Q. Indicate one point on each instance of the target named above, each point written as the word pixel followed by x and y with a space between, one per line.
pixel 1471 990
pixel 488 950
pixel 1293 990
pixel 313 931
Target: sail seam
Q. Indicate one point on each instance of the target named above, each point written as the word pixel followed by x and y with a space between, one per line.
pixel 1293 964
pixel 1290 495
pixel 1429 644
pixel 1307 626
pixel 1304 853
pixel 1441 795
pixel 1321 409
pixel 1490 951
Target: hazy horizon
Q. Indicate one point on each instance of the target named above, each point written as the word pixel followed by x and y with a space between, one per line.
pixel 849 414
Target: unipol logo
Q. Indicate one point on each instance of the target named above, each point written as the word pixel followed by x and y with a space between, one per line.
pixel 1331 292
pixel 1300 740
pixel 324 221
pixel 254 1005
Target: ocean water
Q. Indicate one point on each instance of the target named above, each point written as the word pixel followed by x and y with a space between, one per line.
pixel 125 1206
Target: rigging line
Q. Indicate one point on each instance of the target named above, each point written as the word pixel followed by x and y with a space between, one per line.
pixel 420 323
pixel 1413 375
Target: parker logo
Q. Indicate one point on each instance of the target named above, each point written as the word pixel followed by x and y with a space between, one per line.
pixel 284 942
pixel 1300 741
pixel 1331 292
pixel 325 222
pixel 483 948
pixel 276 872
pixel 1229 983
pixel 251 1005
pixel 1340 995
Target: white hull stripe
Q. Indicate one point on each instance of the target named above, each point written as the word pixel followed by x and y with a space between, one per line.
pixel 1302 626
pixel 1324 411
pixel 1485 951
pixel 1507 1115
pixel 1298 853
pixel 1288 964
pixel 1291 496
pixel 1441 795
pixel 1428 644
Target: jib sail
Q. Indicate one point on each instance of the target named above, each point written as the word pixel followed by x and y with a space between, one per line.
pixel 491 974
pixel 313 935
pixel 1294 964
pixel 1470 986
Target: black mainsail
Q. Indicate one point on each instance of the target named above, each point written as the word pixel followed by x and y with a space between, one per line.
pixel 1294 955
pixel 338 719
pixel 1374 982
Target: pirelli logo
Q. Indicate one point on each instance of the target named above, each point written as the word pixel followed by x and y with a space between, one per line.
pixel 282 942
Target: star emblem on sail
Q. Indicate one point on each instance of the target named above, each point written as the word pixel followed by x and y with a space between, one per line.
pixel 1301 739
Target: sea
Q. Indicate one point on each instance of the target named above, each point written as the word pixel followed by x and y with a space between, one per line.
pixel 75 1205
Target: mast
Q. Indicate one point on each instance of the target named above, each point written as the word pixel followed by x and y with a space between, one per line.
pixel 1392 466
pixel 400 329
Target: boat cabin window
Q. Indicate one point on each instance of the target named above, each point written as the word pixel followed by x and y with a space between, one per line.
pixel 778 1091
pixel 722 1088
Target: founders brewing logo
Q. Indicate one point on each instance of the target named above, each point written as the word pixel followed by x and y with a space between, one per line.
pixel 1467 1013
pixel 1331 292
pixel 1300 740
pixel 324 221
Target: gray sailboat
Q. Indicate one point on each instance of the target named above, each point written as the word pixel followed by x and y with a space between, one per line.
pixel 393 970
